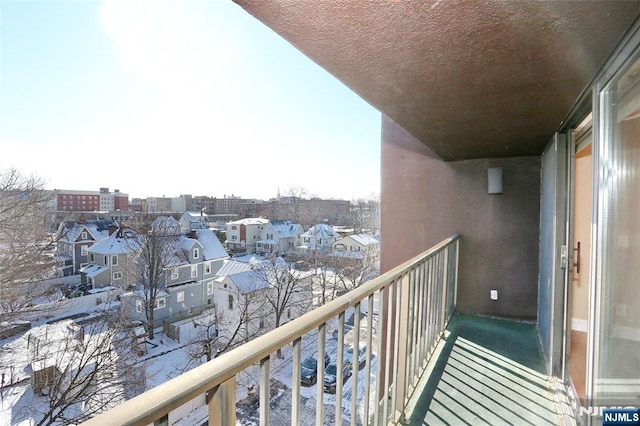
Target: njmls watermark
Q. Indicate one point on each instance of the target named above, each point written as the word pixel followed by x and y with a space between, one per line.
pixel 613 416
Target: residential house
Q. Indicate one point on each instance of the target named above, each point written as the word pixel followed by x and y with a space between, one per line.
pixel 319 238
pixel 74 240
pixel 190 221
pixel 514 125
pixel 197 256
pixel 361 249
pixel 243 234
pixel 241 297
pixel 110 261
pixel 279 237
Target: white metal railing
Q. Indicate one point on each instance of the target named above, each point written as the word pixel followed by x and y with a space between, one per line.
pixel 412 304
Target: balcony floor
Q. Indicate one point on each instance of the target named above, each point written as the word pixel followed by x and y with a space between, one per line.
pixel 489 371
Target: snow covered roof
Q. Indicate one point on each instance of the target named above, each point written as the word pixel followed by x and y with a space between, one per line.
pixel 250 221
pixel 248 281
pixel 231 267
pixel 93 270
pixel 99 229
pixel 176 251
pixel 213 248
pixel 321 230
pixel 286 229
pixel 123 241
pixel 195 215
pixel 166 225
pixel 364 239
pixel 188 243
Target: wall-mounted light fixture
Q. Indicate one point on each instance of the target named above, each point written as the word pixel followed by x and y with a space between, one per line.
pixel 495 180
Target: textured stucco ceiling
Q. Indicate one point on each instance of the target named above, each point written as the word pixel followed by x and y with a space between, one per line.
pixel 470 79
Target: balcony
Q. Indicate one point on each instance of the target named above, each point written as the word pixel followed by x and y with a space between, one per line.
pixel 475 366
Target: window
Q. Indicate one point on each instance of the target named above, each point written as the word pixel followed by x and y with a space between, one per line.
pixel 83 235
pixel 231 301
pixel 194 271
pixel 196 253
pixel 92 257
pixel 234 228
pixel 234 237
pixel 207 268
pixel 117 275
pixel 210 287
pixel 139 305
pixel 84 250
pixel 114 260
pixel 261 322
pixel 174 274
pixel 106 261
pixel 160 303
pixel 180 296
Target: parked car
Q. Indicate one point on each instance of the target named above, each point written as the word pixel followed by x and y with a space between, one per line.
pixel 309 370
pixel 362 355
pixel 331 375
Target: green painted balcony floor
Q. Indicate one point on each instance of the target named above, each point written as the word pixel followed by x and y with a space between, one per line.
pixel 489 372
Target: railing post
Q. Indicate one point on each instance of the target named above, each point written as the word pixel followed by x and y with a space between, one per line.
pixel 222 403
pixel 295 382
pixel 367 368
pixel 265 390
pixel 445 284
pixel 322 329
pixel 400 384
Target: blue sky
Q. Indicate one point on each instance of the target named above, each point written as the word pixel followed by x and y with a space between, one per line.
pixel 167 98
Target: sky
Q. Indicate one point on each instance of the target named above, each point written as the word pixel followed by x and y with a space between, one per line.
pixel 162 98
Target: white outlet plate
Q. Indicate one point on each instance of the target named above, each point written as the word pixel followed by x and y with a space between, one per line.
pixel 493 294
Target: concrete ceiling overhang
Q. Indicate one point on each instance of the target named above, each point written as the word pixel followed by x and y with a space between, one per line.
pixel 469 79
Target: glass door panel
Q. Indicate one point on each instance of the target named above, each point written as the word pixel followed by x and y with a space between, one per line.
pixel 616 345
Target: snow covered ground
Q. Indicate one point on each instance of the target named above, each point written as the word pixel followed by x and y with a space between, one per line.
pixel 166 359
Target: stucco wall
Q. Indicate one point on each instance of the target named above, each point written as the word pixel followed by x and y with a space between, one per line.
pixel 424 200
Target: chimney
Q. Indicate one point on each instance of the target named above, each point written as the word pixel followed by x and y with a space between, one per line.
pixel 194 234
pixel 112 229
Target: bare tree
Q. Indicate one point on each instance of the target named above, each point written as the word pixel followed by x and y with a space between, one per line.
pixel 216 332
pixel 157 251
pixel 24 242
pixel 82 371
pixel 325 281
pixel 365 214
pixel 287 295
pixel 352 272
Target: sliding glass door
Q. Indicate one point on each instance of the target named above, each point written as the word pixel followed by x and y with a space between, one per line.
pixel 615 343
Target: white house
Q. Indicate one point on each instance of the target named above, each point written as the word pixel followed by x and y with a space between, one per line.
pixel 190 221
pixel 243 234
pixel 319 238
pixel 241 298
pixel 363 248
pixel 279 237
